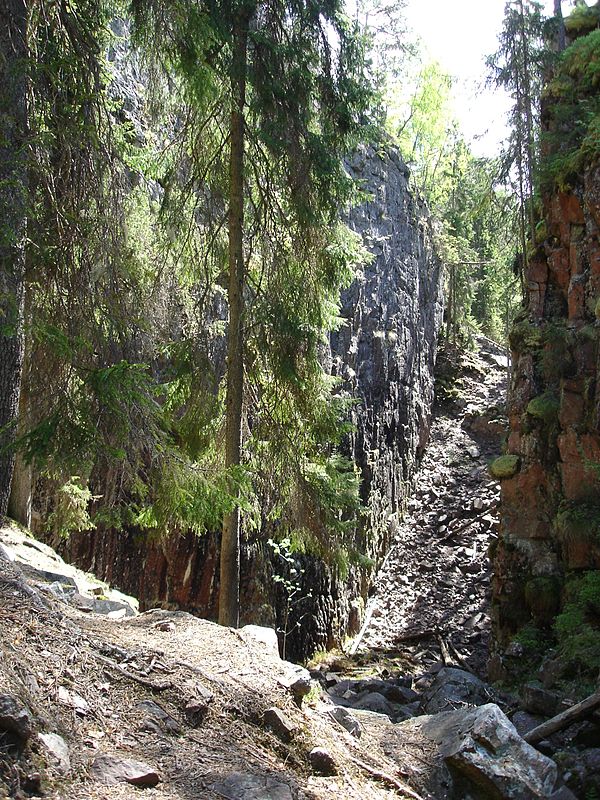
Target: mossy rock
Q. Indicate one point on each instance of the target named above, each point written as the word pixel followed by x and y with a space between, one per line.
pixel 578 522
pixel 505 466
pixel 544 406
pixel 541 232
pixel 525 336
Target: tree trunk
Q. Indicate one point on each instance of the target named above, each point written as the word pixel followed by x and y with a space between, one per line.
pixel 13 222
pixel 562 36
pixel 19 504
pixel 229 588
pixel 528 107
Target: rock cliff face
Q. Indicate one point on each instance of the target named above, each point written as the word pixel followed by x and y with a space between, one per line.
pixel 550 507
pixel 384 353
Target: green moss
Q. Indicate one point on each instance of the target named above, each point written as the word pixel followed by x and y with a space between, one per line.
pixel 556 360
pixel 578 626
pixel 544 406
pixel 578 522
pixel 505 466
pixel 541 232
pixel 524 336
pixel 582 19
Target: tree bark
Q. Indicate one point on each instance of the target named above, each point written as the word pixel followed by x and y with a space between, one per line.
pixel 229 588
pixel 562 35
pixel 528 107
pixel 13 223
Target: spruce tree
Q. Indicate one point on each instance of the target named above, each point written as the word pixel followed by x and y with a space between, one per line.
pixel 13 225
pixel 279 92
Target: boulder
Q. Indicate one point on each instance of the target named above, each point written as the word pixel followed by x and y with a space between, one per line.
pixel 455 688
pixel 281 726
pixel 475 753
pixel 347 720
pixel 538 700
pixel 322 761
pixel 156 719
pixel 58 750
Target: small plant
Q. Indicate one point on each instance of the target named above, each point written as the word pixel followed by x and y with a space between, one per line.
pixel 290 579
pixel 71 514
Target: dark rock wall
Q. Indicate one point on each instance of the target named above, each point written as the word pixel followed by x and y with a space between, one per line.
pixel 385 351
pixel 550 506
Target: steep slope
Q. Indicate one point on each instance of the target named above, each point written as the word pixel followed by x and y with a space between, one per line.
pixel 432 598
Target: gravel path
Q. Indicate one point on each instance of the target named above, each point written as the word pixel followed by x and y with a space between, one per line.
pixel 432 595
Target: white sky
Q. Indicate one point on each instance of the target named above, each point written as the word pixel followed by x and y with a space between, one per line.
pixel 460 34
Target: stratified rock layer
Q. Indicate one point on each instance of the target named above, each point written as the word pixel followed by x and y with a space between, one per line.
pixel 384 352
pixel 549 502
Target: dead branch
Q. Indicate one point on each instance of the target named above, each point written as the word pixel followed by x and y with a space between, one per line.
pixel 573 714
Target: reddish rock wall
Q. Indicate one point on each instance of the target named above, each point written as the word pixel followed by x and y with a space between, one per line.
pixel 550 506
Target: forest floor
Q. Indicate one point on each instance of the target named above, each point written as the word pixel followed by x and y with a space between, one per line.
pixel 431 598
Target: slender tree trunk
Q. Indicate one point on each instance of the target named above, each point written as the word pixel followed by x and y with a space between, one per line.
pixel 13 222
pixel 19 504
pixel 562 36
pixel 229 590
pixel 528 107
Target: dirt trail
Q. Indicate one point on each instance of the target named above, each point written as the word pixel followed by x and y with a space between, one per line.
pixel 431 599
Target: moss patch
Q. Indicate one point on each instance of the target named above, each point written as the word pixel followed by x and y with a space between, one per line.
pixel 544 406
pixel 524 336
pixel 577 522
pixel 578 626
pixel 505 466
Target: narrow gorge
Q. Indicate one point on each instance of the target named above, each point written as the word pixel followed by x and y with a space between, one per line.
pixel 299 402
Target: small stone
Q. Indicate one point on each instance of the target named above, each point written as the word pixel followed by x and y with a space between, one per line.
pixel 281 726
pixel 112 770
pixel 322 761
pixel 515 650
pixel 32 784
pixel 157 718
pixel 198 704
pixel 346 720
pixel 474 451
pixel 296 680
pixel 58 749
pixel 15 718
pixel 168 626
pixel 246 786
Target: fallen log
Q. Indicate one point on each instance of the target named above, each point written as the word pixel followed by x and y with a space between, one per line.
pixel 573 714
